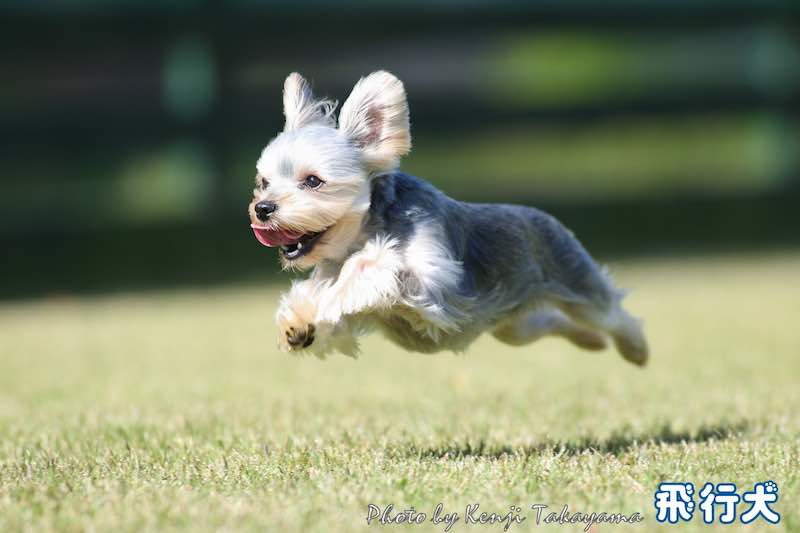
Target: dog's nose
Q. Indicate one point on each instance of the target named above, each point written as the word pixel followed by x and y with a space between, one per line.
pixel 264 210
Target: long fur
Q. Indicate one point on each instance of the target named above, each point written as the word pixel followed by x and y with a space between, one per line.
pixel 375 118
pixel 300 107
pixel 398 255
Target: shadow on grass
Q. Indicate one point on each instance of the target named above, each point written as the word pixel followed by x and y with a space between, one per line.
pixel 617 444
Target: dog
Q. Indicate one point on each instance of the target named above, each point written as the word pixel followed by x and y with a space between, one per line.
pixel 389 251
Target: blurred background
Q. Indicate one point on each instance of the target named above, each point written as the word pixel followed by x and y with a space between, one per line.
pixel 129 130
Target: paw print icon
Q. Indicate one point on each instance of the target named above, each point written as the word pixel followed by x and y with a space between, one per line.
pixel 760 500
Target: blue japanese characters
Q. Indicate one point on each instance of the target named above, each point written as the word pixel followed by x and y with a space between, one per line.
pixel 674 502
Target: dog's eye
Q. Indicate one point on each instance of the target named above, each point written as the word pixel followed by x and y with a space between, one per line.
pixel 263 183
pixel 312 182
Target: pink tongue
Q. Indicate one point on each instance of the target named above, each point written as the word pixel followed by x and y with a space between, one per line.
pixel 271 237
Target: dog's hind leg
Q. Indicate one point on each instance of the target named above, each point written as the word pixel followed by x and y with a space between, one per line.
pixel 571 280
pixel 614 320
pixel 532 325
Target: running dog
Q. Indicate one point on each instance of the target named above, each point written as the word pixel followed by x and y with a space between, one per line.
pixel 389 251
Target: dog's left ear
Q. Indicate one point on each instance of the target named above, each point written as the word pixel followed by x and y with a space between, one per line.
pixel 375 118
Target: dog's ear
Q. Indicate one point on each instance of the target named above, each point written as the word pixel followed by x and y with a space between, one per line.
pixel 300 107
pixel 375 118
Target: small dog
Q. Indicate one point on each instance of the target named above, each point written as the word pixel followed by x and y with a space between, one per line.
pixel 391 252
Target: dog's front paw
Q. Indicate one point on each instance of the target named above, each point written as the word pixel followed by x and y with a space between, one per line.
pixel 300 338
pixel 301 329
pixel 294 333
pixel 295 320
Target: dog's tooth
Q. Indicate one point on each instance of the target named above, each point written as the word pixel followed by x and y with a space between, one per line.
pixel 299 245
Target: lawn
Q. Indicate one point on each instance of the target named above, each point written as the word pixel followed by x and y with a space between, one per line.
pixel 174 411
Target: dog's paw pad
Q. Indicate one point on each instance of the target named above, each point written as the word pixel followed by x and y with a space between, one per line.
pixel 300 337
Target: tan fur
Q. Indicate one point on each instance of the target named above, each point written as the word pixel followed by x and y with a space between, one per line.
pixel 335 245
pixel 523 329
pixel 296 312
pixel 407 269
pixel 367 280
pixel 375 116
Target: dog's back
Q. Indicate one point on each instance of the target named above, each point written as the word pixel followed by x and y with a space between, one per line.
pixel 502 260
pixel 508 248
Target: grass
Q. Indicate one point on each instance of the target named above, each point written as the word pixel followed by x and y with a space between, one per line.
pixel 173 411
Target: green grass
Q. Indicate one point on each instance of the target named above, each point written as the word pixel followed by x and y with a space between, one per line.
pixel 174 411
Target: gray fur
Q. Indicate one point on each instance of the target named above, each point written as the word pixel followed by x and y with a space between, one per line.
pixel 391 251
pixel 515 259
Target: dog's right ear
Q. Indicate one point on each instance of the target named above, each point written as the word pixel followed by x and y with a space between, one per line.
pixel 375 118
pixel 300 107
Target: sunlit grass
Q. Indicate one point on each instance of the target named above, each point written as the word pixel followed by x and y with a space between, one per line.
pixel 173 411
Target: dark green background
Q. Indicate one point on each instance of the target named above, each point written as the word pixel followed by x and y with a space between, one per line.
pixel 129 130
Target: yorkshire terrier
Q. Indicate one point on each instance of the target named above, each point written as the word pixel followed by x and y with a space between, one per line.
pixel 391 252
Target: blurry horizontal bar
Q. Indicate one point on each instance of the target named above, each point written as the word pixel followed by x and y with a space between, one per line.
pixel 161 255
pixel 419 9
pixel 172 181
pixel 116 94
pixel 613 158
pixel 98 131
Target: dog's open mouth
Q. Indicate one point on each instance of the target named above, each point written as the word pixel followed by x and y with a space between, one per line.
pixel 292 244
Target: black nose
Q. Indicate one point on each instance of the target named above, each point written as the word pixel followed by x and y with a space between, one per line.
pixel 264 210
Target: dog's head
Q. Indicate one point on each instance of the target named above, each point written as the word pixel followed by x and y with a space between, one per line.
pixel 312 186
